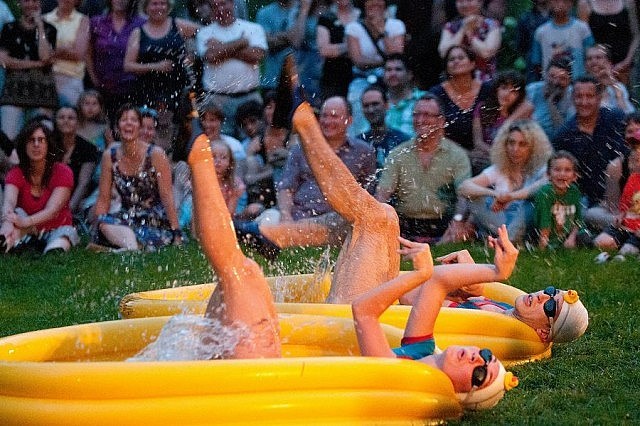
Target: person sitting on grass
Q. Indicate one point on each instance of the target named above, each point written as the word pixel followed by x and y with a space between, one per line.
pixel 478 378
pixel 243 295
pixel 625 231
pixel 555 315
pixel 141 174
pixel 35 209
pixel 558 213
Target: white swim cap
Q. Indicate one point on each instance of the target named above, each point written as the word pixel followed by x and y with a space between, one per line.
pixel 487 397
pixel 572 320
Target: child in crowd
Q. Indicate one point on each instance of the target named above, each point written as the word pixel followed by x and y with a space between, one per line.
pixel 92 120
pixel 94 127
pixel 561 37
pixel 558 212
pixel 210 123
pixel 259 172
pixel 625 232
pixel 231 186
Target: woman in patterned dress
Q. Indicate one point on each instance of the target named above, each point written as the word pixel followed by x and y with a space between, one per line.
pixel 141 174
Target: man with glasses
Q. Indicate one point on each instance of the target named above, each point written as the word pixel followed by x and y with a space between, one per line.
pixel 421 176
pixel 307 217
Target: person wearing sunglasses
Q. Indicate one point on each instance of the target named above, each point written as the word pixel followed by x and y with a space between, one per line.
pixel 556 315
pixel 478 378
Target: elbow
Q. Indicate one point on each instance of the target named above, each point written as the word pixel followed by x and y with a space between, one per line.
pixel 358 309
pixel 325 52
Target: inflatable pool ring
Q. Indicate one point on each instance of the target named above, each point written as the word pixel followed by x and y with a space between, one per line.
pixel 512 341
pixel 42 381
pixel 302 288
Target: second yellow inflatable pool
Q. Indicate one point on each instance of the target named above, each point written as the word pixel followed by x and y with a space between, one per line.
pixel 512 341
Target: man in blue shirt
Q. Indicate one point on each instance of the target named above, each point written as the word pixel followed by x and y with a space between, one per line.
pixel 551 98
pixel 381 137
pixel 595 136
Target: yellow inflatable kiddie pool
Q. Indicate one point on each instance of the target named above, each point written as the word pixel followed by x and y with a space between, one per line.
pixel 78 376
pixel 510 340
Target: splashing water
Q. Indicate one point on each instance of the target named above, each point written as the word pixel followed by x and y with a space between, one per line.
pixel 191 338
pixel 307 291
pixel 322 273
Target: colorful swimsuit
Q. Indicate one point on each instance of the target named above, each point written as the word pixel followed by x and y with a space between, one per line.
pixel 479 303
pixel 416 347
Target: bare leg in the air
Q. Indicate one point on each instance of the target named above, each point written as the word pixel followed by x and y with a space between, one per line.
pixel 369 254
pixel 242 295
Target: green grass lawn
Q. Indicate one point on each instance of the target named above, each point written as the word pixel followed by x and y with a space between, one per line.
pixel 595 380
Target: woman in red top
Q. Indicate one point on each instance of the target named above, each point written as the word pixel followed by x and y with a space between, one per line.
pixel 37 192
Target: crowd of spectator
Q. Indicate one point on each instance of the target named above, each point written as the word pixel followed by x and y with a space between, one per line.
pixel 461 114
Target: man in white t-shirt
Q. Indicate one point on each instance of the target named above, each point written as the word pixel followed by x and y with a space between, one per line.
pixel 231 50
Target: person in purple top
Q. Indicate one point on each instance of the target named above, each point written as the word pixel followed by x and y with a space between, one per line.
pixel 105 63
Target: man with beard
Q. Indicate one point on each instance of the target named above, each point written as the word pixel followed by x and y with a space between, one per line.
pixel 551 98
pixel 380 136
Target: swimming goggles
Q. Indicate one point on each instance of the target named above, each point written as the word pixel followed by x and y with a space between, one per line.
pixel 550 306
pixel 479 373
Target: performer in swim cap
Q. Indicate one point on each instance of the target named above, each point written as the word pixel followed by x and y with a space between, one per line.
pixel 556 315
pixel 478 378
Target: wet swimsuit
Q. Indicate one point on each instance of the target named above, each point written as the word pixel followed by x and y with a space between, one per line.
pixel 416 347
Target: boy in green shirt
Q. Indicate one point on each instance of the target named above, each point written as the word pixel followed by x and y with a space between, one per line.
pixel 558 211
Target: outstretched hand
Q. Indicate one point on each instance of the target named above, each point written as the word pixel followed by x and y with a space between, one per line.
pixel 418 253
pixel 506 253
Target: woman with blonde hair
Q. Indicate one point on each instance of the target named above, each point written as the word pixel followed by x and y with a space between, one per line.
pixel 502 192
